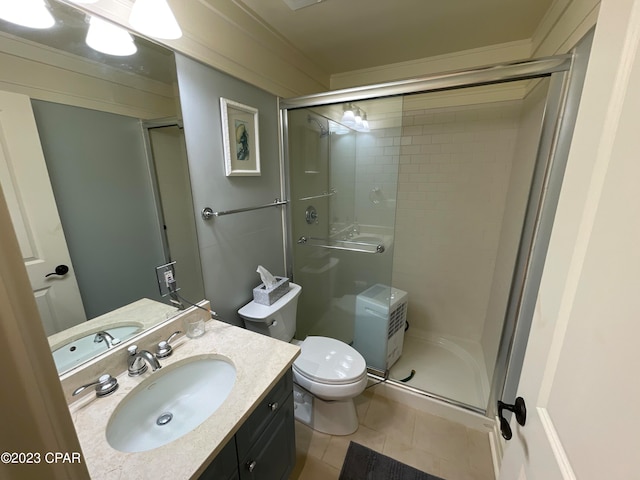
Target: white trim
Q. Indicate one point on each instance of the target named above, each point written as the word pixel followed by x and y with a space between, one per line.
pixel 496 443
pixel 500 53
pixel 564 24
pixel 556 445
pixel 603 156
pixel 248 50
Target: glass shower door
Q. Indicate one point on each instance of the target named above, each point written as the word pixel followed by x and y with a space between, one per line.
pixel 343 185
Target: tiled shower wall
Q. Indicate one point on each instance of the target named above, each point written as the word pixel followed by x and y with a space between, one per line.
pixel 453 178
pixel 377 167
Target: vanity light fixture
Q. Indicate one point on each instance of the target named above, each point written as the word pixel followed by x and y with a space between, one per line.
pixel 337 128
pixel 348 117
pixel 108 38
pixel 355 118
pixel 27 13
pixel 154 18
pixel 365 123
pixel 358 120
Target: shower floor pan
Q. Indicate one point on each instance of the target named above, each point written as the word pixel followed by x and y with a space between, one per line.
pixel 448 367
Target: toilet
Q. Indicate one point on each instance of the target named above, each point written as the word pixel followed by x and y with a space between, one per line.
pixel 327 375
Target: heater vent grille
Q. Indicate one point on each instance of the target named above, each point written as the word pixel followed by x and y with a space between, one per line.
pixel 397 319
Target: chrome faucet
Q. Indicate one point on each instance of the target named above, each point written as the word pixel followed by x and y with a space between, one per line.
pixel 105 385
pixel 106 337
pixel 138 361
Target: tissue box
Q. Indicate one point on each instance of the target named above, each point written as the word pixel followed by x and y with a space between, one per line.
pixel 265 296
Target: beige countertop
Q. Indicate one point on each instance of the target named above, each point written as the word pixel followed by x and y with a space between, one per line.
pixel 259 361
pixel 143 313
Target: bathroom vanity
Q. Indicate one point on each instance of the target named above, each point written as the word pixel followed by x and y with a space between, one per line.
pixel 264 446
pixel 250 435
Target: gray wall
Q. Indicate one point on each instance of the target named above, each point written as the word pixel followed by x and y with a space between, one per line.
pixel 231 247
pixel 102 186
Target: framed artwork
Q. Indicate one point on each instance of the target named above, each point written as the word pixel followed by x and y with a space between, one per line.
pixel 240 139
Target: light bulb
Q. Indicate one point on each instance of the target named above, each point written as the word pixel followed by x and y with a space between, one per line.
pixel 348 118
pixel 358 120
pixel 365 123
pixel 28 13
pixel 154 18
pixel 108 38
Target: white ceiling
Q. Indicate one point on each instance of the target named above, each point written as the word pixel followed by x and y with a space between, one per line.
pixel 344 35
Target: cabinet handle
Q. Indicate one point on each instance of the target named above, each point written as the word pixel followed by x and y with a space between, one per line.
pixel 251 465
pixel 273 406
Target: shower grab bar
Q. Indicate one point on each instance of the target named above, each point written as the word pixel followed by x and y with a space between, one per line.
pixel 379 248
pixel 208 213
pixel 330 193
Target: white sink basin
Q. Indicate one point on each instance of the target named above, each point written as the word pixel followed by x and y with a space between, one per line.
pixel 170 403
pixel 79 351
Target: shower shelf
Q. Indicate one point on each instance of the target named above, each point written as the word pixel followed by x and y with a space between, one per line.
pixel 330 193
pixel 350 245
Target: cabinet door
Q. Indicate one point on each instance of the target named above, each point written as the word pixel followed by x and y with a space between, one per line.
pixel 273 455
pixel 224 466
pixel 264 413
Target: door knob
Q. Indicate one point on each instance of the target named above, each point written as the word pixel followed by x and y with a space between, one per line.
pixel 519 409
pixel 60 270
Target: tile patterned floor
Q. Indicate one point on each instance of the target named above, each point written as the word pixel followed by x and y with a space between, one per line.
pixel 429 443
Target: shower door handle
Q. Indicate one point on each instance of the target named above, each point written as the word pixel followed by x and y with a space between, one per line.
pixel 519 408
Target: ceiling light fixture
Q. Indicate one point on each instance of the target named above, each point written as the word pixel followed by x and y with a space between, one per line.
pixel 108 38
pixel 27 13
pixel 154 18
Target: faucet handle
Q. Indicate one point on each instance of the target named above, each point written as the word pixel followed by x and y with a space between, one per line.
pixel 105 385
pixel 164 349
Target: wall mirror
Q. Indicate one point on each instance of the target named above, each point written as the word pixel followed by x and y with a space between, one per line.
pixel 106 154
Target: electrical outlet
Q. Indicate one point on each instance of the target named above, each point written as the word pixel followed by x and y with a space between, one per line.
pixel 166 277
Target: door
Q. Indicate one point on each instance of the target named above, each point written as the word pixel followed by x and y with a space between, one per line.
pixel 580 375
pixel 343 188
pixel 27 189
pixel 172 175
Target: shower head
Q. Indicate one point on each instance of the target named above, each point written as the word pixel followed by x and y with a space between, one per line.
pixel 324 131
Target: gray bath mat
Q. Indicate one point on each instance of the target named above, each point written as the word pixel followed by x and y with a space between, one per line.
pixel 362 463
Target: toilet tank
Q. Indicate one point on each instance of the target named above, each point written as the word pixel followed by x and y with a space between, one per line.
pixel 277 320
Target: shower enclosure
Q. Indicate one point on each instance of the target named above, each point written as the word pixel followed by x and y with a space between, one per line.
pixel 418 213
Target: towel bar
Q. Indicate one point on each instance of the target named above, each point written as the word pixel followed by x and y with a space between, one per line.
pixel 208 213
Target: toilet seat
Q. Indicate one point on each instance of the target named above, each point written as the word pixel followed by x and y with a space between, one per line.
pixel 330 369
pixel 329 361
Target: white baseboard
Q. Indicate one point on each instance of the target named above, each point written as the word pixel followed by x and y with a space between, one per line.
pixel 497 447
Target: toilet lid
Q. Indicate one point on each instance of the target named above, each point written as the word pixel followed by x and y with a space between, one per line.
pixel 329 361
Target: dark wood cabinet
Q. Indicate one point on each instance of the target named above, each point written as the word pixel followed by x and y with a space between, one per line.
pixel 264 446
